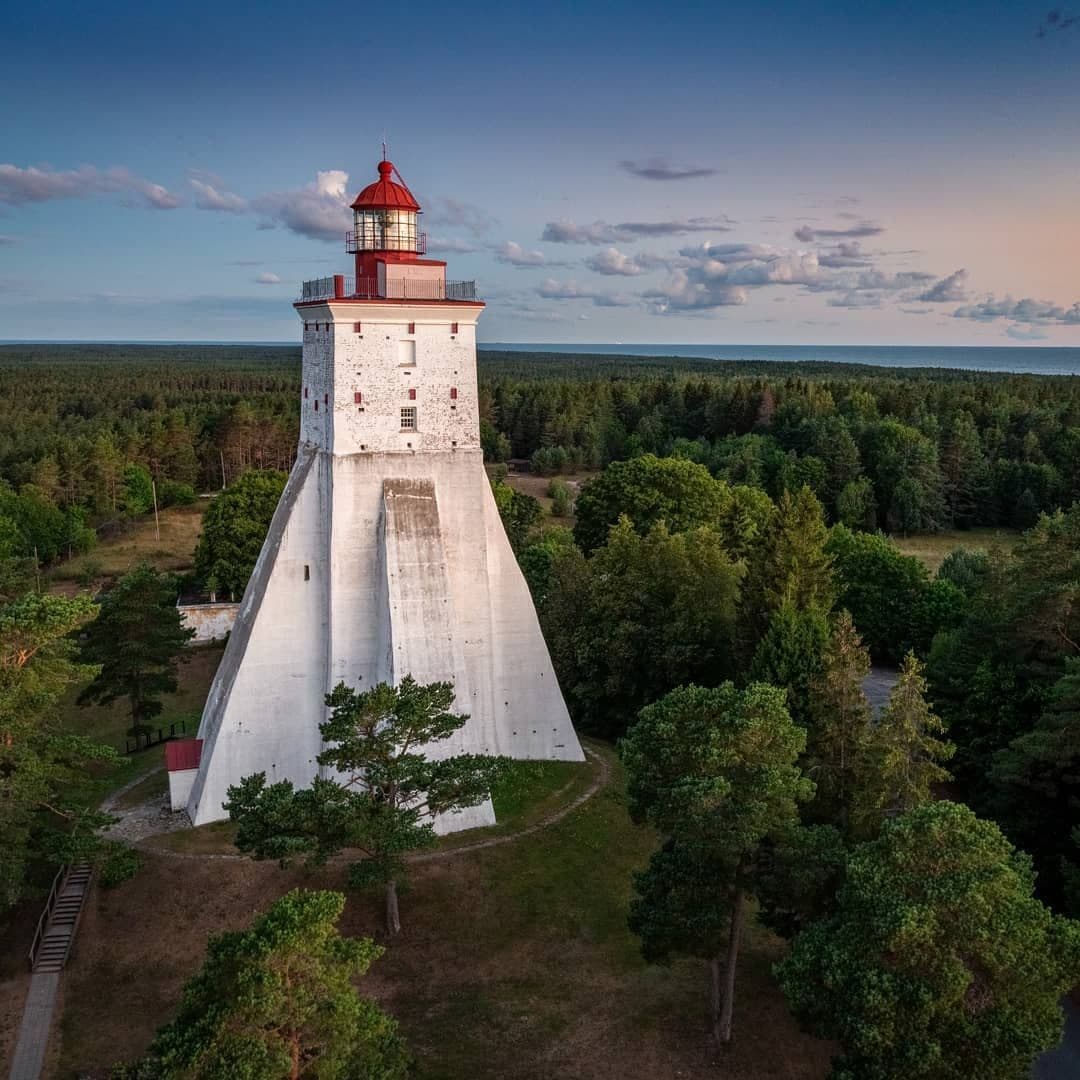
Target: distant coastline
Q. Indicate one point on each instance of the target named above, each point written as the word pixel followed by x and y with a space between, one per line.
pixel 1003 359
pixel 1018 359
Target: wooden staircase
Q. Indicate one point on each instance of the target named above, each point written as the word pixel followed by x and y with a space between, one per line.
pixel 60 919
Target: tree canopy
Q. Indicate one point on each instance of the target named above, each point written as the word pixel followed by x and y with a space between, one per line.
pixel 277 1001
pixel 938 962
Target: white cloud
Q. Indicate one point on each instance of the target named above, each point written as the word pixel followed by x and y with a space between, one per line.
pixel 19 186
pixel 615 263
pixel 1026 333
pixel 515 255
pixel 550 289
pixel 600 232
pixel 267 278
pixel 948 290
pixel 1025 311
pixel 806 234
pixel 211 197
pixel 319 210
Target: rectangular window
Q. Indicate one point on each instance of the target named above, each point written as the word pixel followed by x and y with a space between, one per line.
pixel 412 328
pixel 453 328
pixel 307 326
pixel 406 351
pixel 412 394
pixel 408 418
pixel 326 399
pixel 305 393
pixel 358 397
pixel 357 327
pixel 453 393
pixel 316 406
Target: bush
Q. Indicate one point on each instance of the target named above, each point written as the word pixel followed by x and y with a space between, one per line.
pixel 119 863
pixel 172 493
pixel 562 498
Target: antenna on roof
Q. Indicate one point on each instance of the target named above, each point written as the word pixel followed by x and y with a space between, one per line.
pixel 384 146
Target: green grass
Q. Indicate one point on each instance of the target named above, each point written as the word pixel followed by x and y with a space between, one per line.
pixel 931 549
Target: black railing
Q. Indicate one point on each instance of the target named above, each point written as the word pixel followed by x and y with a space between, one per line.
pixel 346 288
pixel 359 241
pixel 145 739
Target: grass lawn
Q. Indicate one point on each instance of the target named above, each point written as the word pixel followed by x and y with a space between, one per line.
pixel 514 961
pixel 932 549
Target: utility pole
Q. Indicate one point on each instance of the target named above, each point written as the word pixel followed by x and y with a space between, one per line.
pixel 157 523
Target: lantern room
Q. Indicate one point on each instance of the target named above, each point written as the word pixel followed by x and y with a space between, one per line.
pixel 385 217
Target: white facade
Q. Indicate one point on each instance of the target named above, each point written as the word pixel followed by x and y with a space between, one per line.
pixel 386 557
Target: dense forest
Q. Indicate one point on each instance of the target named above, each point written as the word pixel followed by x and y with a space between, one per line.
pixel 84 428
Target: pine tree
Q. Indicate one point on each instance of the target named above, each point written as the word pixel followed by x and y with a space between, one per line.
pixel 384 794
pixel 839 723
pixel 277 1002
pixel 900 765
pixel 136 640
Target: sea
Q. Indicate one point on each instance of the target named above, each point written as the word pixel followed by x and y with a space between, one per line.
pixel 1035 360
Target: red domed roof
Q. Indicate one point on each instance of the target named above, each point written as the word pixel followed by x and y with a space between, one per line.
pixel 385 194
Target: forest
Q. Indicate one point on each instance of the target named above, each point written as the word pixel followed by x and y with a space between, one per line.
pixel 84 428
pixel 713 593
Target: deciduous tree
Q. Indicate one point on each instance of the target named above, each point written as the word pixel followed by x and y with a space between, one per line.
pixel 939 963
pixel 714 771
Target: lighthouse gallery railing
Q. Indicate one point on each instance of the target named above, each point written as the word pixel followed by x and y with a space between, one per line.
pixel 392 289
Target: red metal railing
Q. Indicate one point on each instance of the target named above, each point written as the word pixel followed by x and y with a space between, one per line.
pixel 345 288
pixel 355 242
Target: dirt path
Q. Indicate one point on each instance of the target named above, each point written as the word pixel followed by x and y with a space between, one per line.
pixel 141 816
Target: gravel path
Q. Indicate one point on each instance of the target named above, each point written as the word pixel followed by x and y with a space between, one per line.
pixel 140 824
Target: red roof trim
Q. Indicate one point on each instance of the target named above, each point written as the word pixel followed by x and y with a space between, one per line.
pixel 183 754
pixel 388 300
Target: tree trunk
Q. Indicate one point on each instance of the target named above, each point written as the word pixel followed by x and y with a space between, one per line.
pixel 393 923
pixel 715 996
pixel 723 1034
pixel 294 1070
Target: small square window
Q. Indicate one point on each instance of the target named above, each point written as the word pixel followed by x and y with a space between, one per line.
pixel 453 328
pixel 408 418
pixel 412 328
pixel 357 327
pixel 412 393
pixel 358 397
pixel 453 393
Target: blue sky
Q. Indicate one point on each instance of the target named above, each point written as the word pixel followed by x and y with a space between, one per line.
pixel 782 173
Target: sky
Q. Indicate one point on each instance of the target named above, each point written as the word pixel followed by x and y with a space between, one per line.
pixel 706 173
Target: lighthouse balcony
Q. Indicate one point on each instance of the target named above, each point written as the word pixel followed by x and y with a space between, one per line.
pixel 340 287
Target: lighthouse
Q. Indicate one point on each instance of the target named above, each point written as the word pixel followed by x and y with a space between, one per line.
pixel 386 555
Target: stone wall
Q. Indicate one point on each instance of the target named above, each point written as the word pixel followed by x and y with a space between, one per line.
pixel 211 622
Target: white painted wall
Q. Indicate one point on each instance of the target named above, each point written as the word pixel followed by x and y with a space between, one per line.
pixel 409 566
pixel 180 783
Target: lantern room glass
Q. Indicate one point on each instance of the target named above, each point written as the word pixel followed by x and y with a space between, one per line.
pixel 385 230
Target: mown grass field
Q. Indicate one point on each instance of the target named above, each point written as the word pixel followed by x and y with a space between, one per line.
pixel 933 548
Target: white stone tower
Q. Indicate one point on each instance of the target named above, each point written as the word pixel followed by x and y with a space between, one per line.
pixel 386 555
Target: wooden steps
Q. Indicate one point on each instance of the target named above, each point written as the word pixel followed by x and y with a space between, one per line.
pixel 54 946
